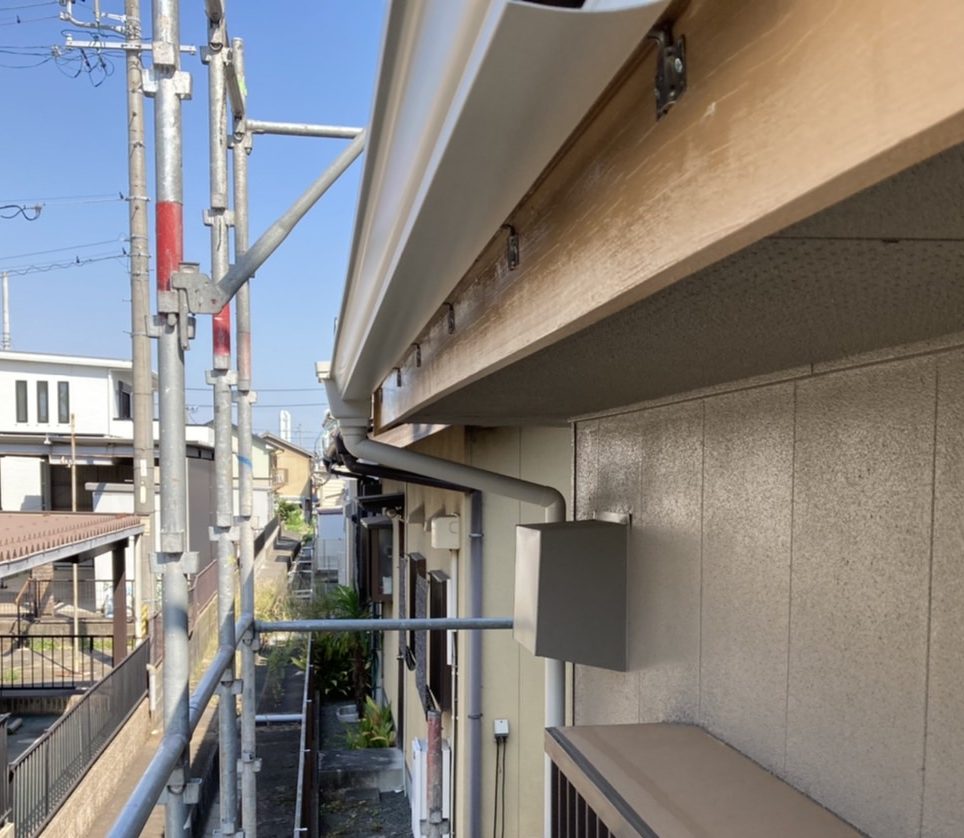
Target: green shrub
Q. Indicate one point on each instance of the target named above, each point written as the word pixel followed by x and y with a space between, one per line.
pixel 376 729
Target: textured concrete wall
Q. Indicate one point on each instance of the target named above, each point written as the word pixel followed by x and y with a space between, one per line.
pixel 796 580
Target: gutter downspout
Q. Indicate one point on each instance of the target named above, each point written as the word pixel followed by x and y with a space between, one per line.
pixel 354 420
pixel 473 689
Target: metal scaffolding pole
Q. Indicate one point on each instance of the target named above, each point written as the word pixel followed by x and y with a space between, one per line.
pixel 136 812
pixel 143 384
pixel 240 149
pixel 221 378
pixel 301 129
pixel 173 331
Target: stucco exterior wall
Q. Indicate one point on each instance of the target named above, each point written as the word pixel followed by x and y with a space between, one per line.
pixel 796 577
pixel 21 484
pixel 93 399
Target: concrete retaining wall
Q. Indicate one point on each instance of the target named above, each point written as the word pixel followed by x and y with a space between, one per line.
pixel 100 783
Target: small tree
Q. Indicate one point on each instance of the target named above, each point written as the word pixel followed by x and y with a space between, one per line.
pixel 344 603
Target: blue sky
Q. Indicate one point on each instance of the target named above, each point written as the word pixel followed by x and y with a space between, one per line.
pixel 64 137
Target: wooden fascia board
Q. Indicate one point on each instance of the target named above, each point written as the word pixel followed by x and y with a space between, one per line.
pixel 791 107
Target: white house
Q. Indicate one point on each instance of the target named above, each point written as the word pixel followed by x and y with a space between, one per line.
pixel 44 398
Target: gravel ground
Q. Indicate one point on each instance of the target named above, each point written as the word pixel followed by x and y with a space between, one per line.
pixel 359 813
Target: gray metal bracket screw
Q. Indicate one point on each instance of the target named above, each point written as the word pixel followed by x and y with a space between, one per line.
pixel 670 69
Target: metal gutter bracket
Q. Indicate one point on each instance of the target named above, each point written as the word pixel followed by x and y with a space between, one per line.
pixel 670 69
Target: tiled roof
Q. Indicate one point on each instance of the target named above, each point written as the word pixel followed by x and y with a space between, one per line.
pixel 28 533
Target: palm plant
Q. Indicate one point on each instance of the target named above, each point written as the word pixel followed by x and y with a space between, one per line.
pixel 345 603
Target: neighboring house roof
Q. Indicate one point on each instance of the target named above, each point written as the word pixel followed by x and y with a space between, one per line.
pixel 473 101
pixel 276 441
pixel 29 539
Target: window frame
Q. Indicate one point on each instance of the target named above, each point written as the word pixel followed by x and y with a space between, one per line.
pixel 23 411
pixel 43 402
pixel 63 402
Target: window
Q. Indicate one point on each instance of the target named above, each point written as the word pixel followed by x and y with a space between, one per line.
pixel 21 401
pixel 43 413
pixel 123 400
pixel 63 402
pixel 439 665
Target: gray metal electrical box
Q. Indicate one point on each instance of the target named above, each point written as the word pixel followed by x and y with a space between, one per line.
pixel 570 591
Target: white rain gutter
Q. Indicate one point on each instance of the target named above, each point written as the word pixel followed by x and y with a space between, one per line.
pixel 474 99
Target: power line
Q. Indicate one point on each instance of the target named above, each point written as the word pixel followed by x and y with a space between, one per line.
pixel 70 199
pixel 18 6
pixel 56 266
pixel 8 211
pixel 19 20
pixel 62 249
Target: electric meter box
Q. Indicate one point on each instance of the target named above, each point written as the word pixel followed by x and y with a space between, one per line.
pixel 570 591
pixel 446 532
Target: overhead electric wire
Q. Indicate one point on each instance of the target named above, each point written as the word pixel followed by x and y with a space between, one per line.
pixel 20 21
pixel 18 6
pixel 56 266
pixel 8 211
pixel 118 240
pixel 70 199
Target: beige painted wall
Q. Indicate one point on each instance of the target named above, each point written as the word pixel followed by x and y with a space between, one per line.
pixel 512 678
pixel 796 582
pixel 298 466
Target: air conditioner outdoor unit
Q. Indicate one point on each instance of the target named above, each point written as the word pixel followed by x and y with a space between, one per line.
pixel 418 794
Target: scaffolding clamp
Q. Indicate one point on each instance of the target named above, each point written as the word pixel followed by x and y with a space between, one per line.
pixel 248 758
pixel 149 78
pixel 190 789
pixel 230 532
pixel 187 560
pixel 199 295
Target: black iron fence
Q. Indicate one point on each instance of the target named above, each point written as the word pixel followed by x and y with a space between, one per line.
pixel 203 589
pixel 5 801
pixel 44 775
pixel 94 596
pixel 54 661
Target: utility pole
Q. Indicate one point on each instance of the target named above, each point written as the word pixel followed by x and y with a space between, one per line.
pixel 143 389
pixel 5 338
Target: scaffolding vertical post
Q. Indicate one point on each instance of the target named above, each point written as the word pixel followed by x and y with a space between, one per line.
pixel 435 828
pixel 221 378
pixel 173 329
pixel 143 385
pixel 240 149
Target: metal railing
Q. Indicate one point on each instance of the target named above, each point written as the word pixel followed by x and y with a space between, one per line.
pixel 43 776
pixel 5 798
pixel 202 590
pixel 40 596
pixel 54 661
